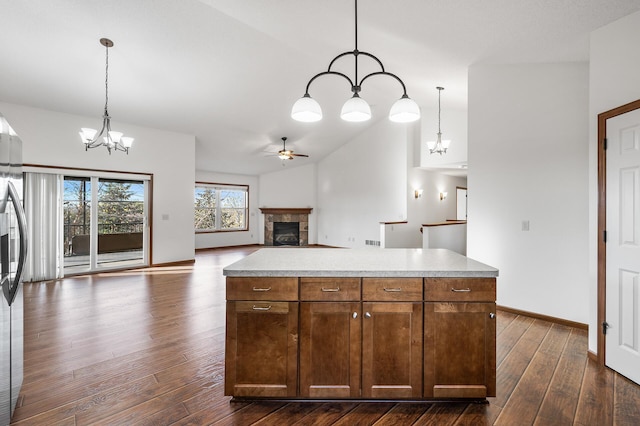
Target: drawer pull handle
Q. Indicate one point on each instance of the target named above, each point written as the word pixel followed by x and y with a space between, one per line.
pixel 330 290
pixel 460 290
pixel 367 315
pixel 392 290
pixel 492 315
pixel 261 308
pixel 355 315
pixel 261 289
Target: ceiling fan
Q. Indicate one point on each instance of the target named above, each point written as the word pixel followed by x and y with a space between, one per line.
pixel 287 154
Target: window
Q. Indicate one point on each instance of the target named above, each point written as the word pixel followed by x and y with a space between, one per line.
pixel 220 207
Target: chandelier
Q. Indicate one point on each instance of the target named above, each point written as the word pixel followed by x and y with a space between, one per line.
pixel 439 146
pixel 111 140
pixel 355 109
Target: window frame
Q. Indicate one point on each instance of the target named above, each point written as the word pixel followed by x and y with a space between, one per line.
pixel 217 188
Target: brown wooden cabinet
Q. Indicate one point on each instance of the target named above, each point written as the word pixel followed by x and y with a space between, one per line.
pixel 330 337
pixel 379 338
pixel 392 350
pixel 459 338
pixel 262 338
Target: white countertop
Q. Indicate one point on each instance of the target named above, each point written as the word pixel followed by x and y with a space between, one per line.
pixel 369 262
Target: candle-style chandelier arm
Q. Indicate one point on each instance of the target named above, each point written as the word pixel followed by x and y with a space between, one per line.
pixel 404 88
pixel 320 74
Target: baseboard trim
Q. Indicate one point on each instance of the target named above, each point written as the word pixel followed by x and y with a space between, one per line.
pixel 593 356
pixel 178 263
pixel 544 317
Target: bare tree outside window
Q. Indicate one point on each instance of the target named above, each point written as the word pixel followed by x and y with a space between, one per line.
pixel 220 208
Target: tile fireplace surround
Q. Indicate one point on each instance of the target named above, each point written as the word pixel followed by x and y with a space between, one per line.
pixel 300 215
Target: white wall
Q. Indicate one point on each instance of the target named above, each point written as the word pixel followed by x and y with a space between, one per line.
pixel 291 187
pixel 614 70
pixel 528 160
pixel 232 238
pixel 51 139
pixel 426 209
pixel 362 184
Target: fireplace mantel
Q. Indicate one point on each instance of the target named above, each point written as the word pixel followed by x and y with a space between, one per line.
pixel 281 210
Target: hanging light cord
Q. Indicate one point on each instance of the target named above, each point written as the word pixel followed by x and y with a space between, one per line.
pixel 439 109
pixel 106 81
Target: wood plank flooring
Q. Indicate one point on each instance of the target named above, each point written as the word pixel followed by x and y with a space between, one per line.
pixel 146 347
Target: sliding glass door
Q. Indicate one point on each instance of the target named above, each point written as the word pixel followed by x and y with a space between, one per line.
pixel 105 223
pixel 120 222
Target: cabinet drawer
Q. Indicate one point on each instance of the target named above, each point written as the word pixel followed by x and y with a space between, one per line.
pixel 460 289
pixel 330 289
pixel 391 289
pixel 262 288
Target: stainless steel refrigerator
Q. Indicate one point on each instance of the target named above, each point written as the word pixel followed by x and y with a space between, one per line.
pixel 13 252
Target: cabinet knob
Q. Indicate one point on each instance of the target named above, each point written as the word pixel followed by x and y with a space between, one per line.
pixel 367 315
pixel 355 315
pixel 492 315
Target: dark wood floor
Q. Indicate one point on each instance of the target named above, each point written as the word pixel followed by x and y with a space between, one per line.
pixel 147 348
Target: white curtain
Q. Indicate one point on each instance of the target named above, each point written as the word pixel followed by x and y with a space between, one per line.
pixel 43 209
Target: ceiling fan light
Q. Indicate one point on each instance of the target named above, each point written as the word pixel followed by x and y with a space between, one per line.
pixel 306 109
pixel 355 109
pixel 404 110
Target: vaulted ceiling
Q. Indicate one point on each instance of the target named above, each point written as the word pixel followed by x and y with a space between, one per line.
pixel 228 71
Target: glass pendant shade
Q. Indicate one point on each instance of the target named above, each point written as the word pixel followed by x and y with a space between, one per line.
pixel 404 110
pixel 115 136
pixel 446 143
pixel 87 134
pixel 431 145
pixel 127 141
pixel 355 109
pixel 306 109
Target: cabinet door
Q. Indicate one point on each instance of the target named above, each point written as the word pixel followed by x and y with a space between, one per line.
pixel 459 350
pixel 392 350
pixel 330 346
pixel 261 349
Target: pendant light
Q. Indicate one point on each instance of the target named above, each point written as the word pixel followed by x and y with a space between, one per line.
pixel 355 109
pixel 111 140
pixel 439 146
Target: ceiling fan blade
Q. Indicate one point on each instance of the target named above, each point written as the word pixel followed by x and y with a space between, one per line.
pixel 299 155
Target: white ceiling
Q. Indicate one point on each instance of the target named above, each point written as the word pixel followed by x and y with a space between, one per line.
pixel 228 71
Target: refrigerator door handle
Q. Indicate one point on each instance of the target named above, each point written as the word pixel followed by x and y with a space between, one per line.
pixel 22 228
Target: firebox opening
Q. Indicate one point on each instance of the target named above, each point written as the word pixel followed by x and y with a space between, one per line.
pixel 286 233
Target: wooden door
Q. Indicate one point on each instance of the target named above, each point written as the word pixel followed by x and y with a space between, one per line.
pixel 261 349
pixel 623 245
pixel 459 350
pixel 330 347
pixel 392 350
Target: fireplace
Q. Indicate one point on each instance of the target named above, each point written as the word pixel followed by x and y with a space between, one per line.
pixel 288 219
pixel 286 233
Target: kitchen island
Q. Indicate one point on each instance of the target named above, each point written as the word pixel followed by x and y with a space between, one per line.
pixel 324 323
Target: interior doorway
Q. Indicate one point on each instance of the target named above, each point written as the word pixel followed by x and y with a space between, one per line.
pixel 461 203
pixel 619 239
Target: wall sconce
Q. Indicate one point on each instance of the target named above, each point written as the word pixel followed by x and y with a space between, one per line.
pixel 443 195
pixel 417 193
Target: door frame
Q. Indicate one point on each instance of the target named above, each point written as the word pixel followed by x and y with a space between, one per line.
pixel 602 219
